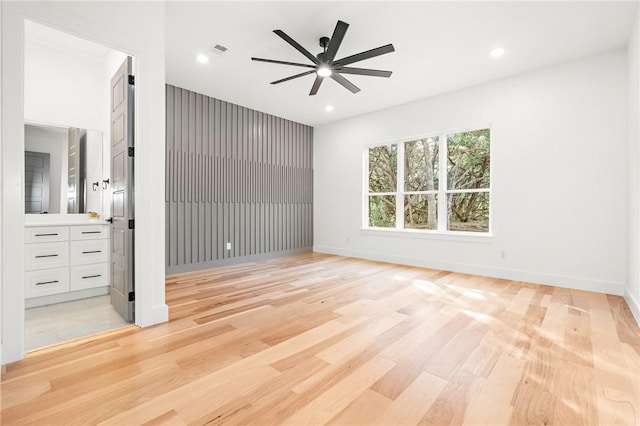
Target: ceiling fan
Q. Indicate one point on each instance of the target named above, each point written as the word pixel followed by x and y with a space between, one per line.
pixel 324 64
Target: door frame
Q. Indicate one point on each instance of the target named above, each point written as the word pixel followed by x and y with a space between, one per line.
pixel 144 41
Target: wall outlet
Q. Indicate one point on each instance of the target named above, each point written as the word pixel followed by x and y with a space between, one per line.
pixel 228 246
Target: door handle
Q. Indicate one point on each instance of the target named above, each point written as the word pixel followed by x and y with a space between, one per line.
pixel 110 220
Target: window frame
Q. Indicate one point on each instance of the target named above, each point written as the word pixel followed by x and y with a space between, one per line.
pixel 441 193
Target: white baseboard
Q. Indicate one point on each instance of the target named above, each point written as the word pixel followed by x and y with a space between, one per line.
pixel 577 283
pixel 634 306
pixel 160 314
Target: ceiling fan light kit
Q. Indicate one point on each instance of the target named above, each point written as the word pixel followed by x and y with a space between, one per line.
pixel 324 64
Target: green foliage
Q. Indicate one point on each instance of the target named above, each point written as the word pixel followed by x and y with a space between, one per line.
pixel 421 165
pixel 383 168
pixel 468 156
pixel 421 211
pixel 382 211
pixel 468 168
pixel 469 212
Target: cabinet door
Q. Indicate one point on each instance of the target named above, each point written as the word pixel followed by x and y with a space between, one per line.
pixel 89 232
pixel 46 234
pixel 89 276
pixel 46 256
pixel 90 251
pixel 46 282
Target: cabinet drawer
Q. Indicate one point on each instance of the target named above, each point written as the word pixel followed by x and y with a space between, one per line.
pixel 89 276
pixel 46 234
pixel 90 251
pixel 46 282
pixel 89 232
pixel 46 255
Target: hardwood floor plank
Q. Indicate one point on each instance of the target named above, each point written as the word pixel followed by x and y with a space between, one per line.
pixel 485 410
pixel 367 409
pixel 450 406
pixel 321 409
pixel 410 406
pixel 322 339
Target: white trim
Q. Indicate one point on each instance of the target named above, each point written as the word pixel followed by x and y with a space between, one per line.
pixel 572 282
pixel 399 186
pixel 159 314
pixel 634 305
pixel 426 234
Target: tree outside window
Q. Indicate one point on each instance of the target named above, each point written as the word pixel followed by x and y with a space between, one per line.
pixel 408 177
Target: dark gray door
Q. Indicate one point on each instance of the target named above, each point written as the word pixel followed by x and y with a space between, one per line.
pixel 36 182
pixel 122 208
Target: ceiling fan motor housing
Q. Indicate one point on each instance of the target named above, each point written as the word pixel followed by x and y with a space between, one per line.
pixel 324 42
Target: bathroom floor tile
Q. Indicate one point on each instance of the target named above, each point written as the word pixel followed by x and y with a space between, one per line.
pixel 51 324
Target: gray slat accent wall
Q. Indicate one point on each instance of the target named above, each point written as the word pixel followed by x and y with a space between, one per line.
pixel 234 175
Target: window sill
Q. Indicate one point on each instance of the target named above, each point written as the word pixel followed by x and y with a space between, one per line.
pixel 472 237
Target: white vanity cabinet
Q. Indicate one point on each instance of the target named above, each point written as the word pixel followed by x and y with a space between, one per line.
pixel 64 262
pixel 89 256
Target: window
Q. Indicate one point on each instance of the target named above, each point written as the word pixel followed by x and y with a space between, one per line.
pixel 435 183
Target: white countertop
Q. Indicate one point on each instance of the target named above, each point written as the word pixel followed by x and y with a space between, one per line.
pixel 61 219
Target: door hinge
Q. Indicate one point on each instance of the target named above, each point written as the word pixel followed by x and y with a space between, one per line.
pixel 130 151
pixel 132 80
pixel 131 224
pixel 132 296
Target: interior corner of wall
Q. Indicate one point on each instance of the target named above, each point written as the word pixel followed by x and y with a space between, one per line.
pixel 633 303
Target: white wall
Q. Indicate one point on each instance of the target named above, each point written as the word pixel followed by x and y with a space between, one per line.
pixel 134 28
pixel 558 177
pixel 63 88
pixel 55 143
pixel 632 289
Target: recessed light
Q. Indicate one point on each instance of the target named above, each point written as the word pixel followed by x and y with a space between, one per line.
pixel 202 58
pixel 328 108
pixel 497 52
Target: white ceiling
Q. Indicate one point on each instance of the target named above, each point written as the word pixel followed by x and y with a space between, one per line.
pixel 440 47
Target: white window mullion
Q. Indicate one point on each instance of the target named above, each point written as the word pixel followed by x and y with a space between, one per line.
pixel 365 189
pixel 442 183
pixel 400 188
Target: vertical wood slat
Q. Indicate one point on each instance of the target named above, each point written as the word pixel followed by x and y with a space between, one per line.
pixel 234 175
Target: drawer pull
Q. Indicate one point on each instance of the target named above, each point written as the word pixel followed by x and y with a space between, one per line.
pixel 46 235
pixel 48 282
pixel 46 255
pixel 91 276
pixel 92 251
pixel 92 232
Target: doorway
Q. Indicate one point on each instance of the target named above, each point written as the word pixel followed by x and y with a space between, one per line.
pixel 67 85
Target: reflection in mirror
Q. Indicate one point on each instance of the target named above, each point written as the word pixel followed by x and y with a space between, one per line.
pixel 61 166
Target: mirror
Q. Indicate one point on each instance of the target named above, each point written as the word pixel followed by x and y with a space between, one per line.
pixel 63 170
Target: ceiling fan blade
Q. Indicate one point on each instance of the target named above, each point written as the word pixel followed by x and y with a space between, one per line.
pixel 302 74
pixel 365 55
pixel 316 85
pixel 273 61
pixel 344 82
pixel 336 40
pixel 295 44
pixel 363 71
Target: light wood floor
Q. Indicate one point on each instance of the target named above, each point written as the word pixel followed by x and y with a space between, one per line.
pixel 317 339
